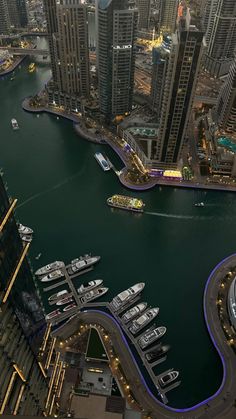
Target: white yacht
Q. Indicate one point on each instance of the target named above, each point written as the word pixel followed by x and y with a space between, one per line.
pixel 27 238
pixel 14 124
pixel 59 294
pixel 102 161
pixel 89 286
pixel 69 307
pixel 142 321
pixel 24 230
pixel 125 296
pixel 82 263
pixel 48 268
pixel 52 314
pixel 151 336
pixel 93 294
pixel 52 276
pixel 133 312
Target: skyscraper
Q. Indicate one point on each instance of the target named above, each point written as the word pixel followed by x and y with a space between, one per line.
pixel 180 83
pixel 23 386
pixel 117 27
pixel 160 59
pixel 67 23
pixel 4 18
pixel 17 13
pixel 220 36
pixel 144 9
pixel 168 15
pixel 226 103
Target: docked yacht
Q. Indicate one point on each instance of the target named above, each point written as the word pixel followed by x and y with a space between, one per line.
pixel 48 268
pixel 158 352
pixel 65 300
pixel 89 286
pixel 93 294
pixel 142 321
pixel 69 307
pixel 14 124
pixel 53 314
pixel 125 296
pixel 151 336
pixel 102 161
pixel 24 230
pixel 133 312
pixel 59 294
pixel 82 263
pixel 52 276
pixel 168 378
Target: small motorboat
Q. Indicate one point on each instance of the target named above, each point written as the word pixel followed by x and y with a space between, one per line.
pixel 24 230
pixel 38 256
pixel 52 314
pixel 168 378
pixel 69 307
pixel 199 204
pixel 52 276
pixel 14 124
pixel 89 286
pixel 27 239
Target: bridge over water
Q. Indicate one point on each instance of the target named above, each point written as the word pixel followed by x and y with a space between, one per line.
pixel 26 51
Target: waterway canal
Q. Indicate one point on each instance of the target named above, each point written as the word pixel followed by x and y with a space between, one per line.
pixel 173 247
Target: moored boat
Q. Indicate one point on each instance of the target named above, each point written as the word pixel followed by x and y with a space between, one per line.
pixel 69 307
pixel 52 314
pixel 199 204
pixel 82 263
pixel 14 124
pixel 151 336
pixel 51 267
pixel 102 161
pixel 168 378
pixel 58 295
pixel 65 300
pixel 27 238
pixel 125 296
pixel 89 286
pixel 93 294
pixel 126 202
pixel 133 312
pixel 142 321
pixel 24 230
pixel 32 67
pixel 52 276
pixel 158 352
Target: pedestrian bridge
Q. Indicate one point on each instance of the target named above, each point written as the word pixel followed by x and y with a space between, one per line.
pixel 26 51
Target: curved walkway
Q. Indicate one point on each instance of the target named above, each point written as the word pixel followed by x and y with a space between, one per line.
pixel 219 405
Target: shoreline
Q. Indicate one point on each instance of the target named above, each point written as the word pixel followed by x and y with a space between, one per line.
pixel 99 139
pixel 13 67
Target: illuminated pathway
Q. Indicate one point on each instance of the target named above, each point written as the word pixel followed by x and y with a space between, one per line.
pixel 222 403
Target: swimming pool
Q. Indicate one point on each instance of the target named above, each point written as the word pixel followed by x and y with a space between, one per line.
pixel 227 143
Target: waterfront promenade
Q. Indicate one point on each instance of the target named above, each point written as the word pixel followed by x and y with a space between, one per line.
pixel 220 405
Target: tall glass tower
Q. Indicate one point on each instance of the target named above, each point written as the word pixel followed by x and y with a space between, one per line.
pixel 226 103
pixel 4 18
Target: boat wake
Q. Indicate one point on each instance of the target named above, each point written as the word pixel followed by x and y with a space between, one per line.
pixel 57 186
pixel 161 214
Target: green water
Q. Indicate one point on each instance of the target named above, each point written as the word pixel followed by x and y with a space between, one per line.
pixel 62 195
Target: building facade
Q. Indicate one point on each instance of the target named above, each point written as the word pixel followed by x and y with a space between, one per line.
pixel 116 34
pixel 4 18
pixel 226 104
pixel 180 83
pixel 23 386
pixel 220 35
pixel 168 10
pixel 17 13
pixel 144 10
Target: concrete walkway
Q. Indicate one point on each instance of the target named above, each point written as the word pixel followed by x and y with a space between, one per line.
pixel 222 403
pixel 17 62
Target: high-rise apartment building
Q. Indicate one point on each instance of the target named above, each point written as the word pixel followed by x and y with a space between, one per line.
pixel 23 385
pixel 168 10
pixel 4 18
pixel 220 25
pixel 180 82
pixel 18 13
pixel 116 34
pixel 160 59
pixel 226 104
pixel 67 23
pixel 144 9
